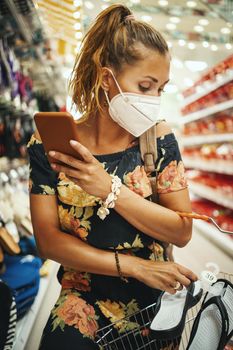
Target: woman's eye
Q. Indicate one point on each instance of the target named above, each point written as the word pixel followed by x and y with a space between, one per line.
pixel 144 88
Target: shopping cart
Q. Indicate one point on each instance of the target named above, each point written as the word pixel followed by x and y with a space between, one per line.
pixel 140 336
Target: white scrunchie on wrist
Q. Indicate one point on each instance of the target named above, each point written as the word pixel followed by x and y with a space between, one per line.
pixel 109 202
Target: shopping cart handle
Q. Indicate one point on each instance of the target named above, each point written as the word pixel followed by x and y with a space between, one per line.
pixel 193 215
pixel 205 218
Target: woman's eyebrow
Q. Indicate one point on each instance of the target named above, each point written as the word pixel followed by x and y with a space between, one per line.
pixel 155 80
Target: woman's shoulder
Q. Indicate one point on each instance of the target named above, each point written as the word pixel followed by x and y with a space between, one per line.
pixel 35 139
pixel 164 132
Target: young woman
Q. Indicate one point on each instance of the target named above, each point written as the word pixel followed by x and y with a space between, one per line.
pixel 123 63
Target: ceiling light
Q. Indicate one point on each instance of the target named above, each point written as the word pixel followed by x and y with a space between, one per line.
pixel 214 47
pixel 203 22
pixel 191 4
pixel 174 19
pixel 69 58
pixel 171 26
pixel 78 47
pixel 225 30
pixel 198 29
pixel 163 2
pixel 135 1
pixel 196 66
pixel 205 44
pixel 77 26
pixel 146 18
pixel 181 42
pixel 191 46
pixel 76 14
pixel 78 35
pixel 104 6
pixel 188 82
pixel 177 63
pixel 77 3
pixel 171 88
pixel 228 46
pixel 89 5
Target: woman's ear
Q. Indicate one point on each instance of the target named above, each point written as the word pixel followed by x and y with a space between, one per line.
pixel 106 78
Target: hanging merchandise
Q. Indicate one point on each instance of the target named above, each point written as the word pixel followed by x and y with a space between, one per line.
pixel 7 317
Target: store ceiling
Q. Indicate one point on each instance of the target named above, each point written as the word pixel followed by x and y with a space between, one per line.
pixel 198 30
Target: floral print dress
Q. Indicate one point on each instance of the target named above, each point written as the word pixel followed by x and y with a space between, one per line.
pixel 89 301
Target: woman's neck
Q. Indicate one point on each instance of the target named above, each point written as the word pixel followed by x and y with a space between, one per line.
pixel 102 135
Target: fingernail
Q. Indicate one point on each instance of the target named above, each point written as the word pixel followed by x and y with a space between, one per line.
pixel 73 142
pixel 52 153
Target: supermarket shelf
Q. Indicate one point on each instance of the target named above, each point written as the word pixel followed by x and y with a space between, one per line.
pixel 208 88
pixel 207 112
pixel 24 326
pixel 211 194
pixel 225 242
pixel 213 165
pixel 199 140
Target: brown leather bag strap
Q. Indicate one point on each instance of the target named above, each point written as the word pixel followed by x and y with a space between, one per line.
pixel 148 149
pixel 149 154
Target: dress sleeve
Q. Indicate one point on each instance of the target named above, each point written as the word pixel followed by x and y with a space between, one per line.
pixel 42 178
pixel 169 165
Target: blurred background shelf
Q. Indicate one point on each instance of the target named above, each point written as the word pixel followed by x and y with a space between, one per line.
pixel 222 240
pixel 212 165
pixel 207 112
pixel 206 89
pixel 211 194
pixel 202 139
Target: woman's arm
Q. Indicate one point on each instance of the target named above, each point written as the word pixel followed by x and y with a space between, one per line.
pixel 70 251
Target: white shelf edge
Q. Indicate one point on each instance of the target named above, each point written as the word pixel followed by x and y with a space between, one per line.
pixel 24 325
pixel 194 97
pixel 206 112
pixel 220 239
pixel 215 165
pixel 198 140
pixel 210 194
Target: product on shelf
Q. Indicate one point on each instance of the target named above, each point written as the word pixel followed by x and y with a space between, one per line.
pixel 211 76
pixel 221 94
pixel 220 123
pixel 220 151
pixel 223 216
pixel 219 182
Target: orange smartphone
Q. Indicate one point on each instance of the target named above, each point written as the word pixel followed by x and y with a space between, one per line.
pixel 56 129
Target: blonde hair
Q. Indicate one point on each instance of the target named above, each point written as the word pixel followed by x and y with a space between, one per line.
pixel 110 42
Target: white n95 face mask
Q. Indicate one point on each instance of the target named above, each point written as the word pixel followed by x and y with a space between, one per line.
pixel 135 113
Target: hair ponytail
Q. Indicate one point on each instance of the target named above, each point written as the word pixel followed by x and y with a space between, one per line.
pixel 109 42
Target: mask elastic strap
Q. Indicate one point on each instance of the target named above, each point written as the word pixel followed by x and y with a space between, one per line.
pixel 119 88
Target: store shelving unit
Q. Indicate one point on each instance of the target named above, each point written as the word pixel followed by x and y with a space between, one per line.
pixel 206 112
pixel 223 241
pixel 211 194
pixel 220 166
pixel 199 140
pixel 209 87
pixel 214 165
pixel 25 325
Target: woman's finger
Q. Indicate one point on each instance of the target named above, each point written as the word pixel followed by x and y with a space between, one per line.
pixel 69 160
pixel 66 170
pixel 188 273
pixel 83 151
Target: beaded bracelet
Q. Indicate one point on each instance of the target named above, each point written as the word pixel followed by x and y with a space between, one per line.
pixel 119 268
pixel 109 202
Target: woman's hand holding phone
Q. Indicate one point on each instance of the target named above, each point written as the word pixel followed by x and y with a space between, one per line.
pixel 88 173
